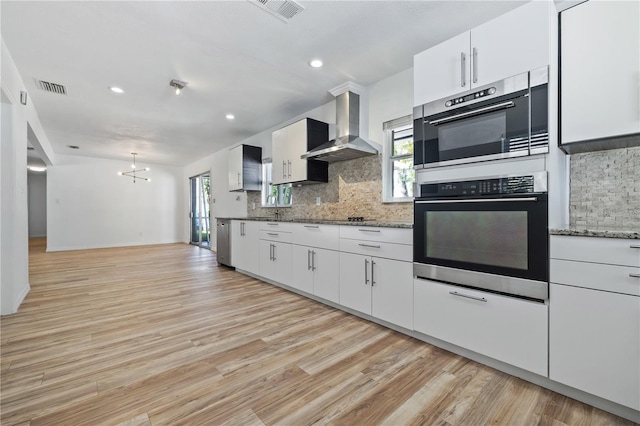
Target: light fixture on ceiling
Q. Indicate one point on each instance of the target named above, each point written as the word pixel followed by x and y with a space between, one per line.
pixel 315 63
pixel 230 116
pixel 178 85
pixel 37 169
pixel 115 89
pixel 134 173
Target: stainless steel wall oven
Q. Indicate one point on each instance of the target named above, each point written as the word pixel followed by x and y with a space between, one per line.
pixel 489 233
pixel 508 118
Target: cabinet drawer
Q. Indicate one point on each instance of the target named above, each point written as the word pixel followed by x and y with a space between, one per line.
pixel 615 251
pixel 596 276
pixel 284 237
pixel 507 329
pixel 321 236
pixel 276 226
pixel 377 249
pixel 371 233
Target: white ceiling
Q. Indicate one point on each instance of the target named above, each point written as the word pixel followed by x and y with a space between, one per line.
pixel 236 58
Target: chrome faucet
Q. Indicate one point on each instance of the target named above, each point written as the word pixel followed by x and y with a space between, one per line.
pixel 277 215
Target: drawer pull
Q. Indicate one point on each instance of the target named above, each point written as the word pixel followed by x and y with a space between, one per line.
pixel 368 245
pixel 311 226
pixel 634 275
pixel 275 234
pixel 272 224
pixel 455 293
pixel 635 246
pixel 369 230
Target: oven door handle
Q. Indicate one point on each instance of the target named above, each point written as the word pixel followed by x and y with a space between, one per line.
pixel 495 107
pixel 478 200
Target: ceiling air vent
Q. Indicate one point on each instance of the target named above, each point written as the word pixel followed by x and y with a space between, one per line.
pixel 282 9
pixel 52 87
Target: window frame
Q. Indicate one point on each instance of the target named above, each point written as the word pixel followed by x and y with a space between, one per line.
pixel 266 190
pixel 402 123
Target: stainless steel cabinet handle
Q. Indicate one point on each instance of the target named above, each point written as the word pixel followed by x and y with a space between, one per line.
pixel 270 251
pixel 289 163
pixel 313 260
pixel 474 200
pixel 373 281
pixel 463 71
pixel 308 260
pixel 272 224
pixel 284 169
pixel 501 105
pixel 634 275
pixel 635 246
pixel 275 234
pixel 369 230
pixel 455 293
pixel 274 253
pixel 311 226
pixel 366 271
pixel 475 65
pixel 238 178
pixel 368 245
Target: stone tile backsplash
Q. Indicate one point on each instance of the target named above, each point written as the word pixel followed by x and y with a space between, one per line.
pixel 354 189
pixel 605 189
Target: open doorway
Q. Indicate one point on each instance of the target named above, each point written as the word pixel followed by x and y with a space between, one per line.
pixel 199 216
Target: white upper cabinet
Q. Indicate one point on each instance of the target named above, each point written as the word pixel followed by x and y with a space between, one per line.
pixel 600 71
pixel 510 44
pixel 288 145
pixel 245 168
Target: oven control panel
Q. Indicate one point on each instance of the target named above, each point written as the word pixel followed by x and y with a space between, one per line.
pixel 497 186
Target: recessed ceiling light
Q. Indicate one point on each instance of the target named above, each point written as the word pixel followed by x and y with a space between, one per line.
pixel 37 169
pixel 116 89
pixel 230 116
pixel 316 63
pixel 73 146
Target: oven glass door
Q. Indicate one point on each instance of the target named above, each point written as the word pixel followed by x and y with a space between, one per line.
pixel 505 236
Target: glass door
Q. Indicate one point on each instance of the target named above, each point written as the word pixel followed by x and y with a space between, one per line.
pixel 199 215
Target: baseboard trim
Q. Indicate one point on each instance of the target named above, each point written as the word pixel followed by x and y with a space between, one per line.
pixel 99 246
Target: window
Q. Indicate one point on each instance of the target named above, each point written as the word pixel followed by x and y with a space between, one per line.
pixel 274 195
pixel 397 168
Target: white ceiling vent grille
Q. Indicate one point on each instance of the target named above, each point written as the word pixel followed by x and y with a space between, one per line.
pixel 51 87
pixel 282 9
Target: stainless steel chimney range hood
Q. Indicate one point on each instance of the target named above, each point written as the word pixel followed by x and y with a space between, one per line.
pixel 348 144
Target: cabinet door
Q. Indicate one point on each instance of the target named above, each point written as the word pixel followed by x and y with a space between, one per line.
pixel 594 342
pixel 251 247
pixel 301 272
pixel 237 244
pixel 600 47
pixel 326 279
pixel 282 263
pixel 267 266
pixel 513 43
pixel 442 70
pixel 355 282
pixel 392 286
pixel 297 145
pixel 279 155
pixel 235 168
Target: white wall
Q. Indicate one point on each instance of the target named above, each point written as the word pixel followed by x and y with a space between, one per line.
pixel 90 206
pixel 37 195
pixel 14 245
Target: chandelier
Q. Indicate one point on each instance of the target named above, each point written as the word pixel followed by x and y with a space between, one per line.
pixel 135 173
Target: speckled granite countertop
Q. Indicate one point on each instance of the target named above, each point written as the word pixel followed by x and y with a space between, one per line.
pixel 382 223
pixel 602 232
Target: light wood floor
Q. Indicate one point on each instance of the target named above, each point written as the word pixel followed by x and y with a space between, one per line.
pixel 163 335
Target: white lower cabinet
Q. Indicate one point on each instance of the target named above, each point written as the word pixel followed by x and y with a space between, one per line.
pixel 378 287
pixel 315 271
pixel 510 330
pixel 245 247
pixel 275 261
pixel 594 342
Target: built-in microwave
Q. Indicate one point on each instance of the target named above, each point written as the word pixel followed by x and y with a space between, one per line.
pixel 508 118
pixel 489 233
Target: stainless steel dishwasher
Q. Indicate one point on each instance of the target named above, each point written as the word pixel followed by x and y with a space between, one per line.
pixel 223 238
